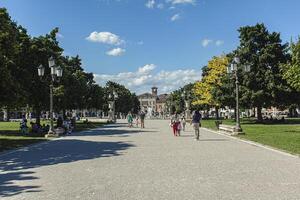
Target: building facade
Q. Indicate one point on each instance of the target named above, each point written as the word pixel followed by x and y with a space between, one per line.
pixel 153 104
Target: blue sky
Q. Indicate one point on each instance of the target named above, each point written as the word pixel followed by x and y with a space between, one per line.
pixel 141 43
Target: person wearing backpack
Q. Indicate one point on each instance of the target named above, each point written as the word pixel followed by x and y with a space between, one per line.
pixel 196 123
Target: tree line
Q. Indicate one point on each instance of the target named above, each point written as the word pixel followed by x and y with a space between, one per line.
pixel 273 79
pixel 20 85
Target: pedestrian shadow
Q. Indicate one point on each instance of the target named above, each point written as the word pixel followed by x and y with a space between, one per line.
pixel 51 153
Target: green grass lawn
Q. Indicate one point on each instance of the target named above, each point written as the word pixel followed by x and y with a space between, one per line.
pixel 10 136
pixel 285 136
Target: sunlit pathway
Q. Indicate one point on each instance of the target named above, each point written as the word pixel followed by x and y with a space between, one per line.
pixel 116 162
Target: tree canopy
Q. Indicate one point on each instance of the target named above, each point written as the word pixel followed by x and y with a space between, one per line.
pixel 291 70
pixel 20 85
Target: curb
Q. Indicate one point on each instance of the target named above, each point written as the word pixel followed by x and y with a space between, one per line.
pixel 282 152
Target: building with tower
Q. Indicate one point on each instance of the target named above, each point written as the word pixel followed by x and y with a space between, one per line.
pixel 152 103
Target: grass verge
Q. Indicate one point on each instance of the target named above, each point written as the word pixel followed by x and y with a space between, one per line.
pixel 284 136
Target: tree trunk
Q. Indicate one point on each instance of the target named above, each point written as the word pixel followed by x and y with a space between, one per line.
pixel 38 116
pixel 235 114
pixel 259 114
pixel 6 115
pixel 292 111
pixel 217 112
pixel 64 113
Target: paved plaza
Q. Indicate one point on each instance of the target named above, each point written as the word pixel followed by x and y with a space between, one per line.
pixel 119 163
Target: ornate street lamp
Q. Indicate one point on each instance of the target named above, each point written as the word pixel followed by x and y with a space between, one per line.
pixel 56 71
pixel 233 69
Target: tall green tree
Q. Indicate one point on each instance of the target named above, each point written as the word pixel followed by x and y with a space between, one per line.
pixel 264 51
pixel 10 85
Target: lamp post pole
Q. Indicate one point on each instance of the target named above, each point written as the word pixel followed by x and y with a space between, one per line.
pixel 238 128
pixel 233 68
pixel 51 129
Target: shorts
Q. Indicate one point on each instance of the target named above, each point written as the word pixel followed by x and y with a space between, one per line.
pixel 196 126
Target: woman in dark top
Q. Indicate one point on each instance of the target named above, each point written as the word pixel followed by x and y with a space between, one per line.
pixel 196 123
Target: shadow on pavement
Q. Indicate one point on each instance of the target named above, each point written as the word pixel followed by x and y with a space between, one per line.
pixel 184 135
pixel 8 188
pixel 54 152
pixel 112 131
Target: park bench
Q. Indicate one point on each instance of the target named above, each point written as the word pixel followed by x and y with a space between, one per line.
pixel 59 131
pixel 228 129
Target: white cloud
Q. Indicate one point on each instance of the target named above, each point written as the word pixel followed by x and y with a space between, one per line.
pixel 105 37
pixel 219 42
pixel 145 77
pixel 116 52
pixel 206 42
pixel 150 4
pixel 146 69
pixel 175 17
pixel 181 1
pixel 160 6
pixel 140 43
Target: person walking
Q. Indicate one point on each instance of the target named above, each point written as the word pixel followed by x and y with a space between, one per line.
pixel 174 124
pixel 196 123
pixel 183 123
pixel 179 127
pixel 129 119
pixel 137 120
pixel 142 118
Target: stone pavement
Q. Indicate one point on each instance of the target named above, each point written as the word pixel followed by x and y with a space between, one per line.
pixel 118 163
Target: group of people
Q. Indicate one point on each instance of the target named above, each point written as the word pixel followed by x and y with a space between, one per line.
pixel 36 128
pixel 178 123
pixel 139 119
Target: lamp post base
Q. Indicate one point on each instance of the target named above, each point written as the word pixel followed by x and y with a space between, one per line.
pixel 238 131
pixel 111 117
